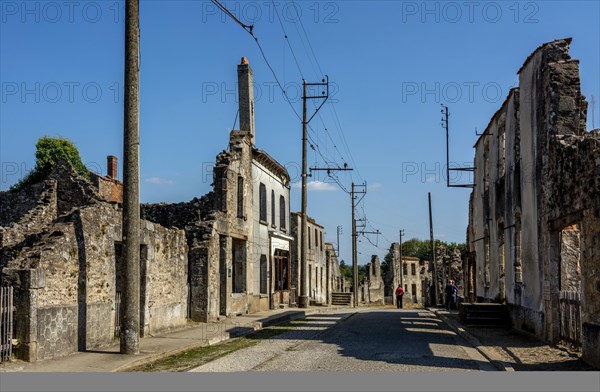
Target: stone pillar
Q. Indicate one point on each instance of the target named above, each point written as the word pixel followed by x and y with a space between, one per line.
pixel 26 283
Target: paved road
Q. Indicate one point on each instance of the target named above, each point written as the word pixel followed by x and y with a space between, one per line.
pixel 370 340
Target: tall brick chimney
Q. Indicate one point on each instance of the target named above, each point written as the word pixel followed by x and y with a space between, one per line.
pixel 246 97
pixel 112 167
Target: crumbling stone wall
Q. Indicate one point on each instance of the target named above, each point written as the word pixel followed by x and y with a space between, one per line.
pixel 61 260
pixel 27 211
pixel 65 282
pixel 393 273
pixel 197 219
pixel 373 285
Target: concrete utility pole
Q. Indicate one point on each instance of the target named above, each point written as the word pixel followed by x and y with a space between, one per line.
pixel 303 298
pixel 353 194
pixel 339 231
pixel 130 324
pixel 401 261
pixel 354 261
pixel 434 273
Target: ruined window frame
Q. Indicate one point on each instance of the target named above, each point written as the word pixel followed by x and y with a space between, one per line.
pixel 238 267
pixel 518 264
pixel 262 192
pixel 264 271
pixel 240 197
pixel 501 166
pixel 321 234
pixel 413 269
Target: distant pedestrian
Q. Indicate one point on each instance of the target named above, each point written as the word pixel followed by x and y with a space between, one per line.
pixel 399 294
pixel 451 295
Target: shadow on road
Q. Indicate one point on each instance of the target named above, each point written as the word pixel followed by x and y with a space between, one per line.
pixel 404 337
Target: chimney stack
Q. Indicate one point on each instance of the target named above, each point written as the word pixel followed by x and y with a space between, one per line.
pixel 246 97
pixel 112 167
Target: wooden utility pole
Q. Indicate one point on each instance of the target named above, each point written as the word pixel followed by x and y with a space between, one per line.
pixel 303 300
pixel 434 272
pixel 130 321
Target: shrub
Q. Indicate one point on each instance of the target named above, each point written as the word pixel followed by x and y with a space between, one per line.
pixel 48 152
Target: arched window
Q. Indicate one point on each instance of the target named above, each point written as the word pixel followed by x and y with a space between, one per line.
pixel 263 202
pixel 282 214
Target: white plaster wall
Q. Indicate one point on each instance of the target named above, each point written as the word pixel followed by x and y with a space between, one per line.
pixel 261 238
pixel 532 280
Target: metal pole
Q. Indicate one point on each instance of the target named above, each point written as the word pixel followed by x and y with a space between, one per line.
pixel 354 255
pixel 130 323
pixel 434 274
pixel 447 149
pixel 303 300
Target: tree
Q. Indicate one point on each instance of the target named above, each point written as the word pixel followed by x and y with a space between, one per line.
pixel 48 152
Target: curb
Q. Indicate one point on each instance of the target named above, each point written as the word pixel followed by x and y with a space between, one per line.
pixel 488 353
pixel 257 326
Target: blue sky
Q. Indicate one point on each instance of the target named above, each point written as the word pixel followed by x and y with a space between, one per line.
pixel 391 65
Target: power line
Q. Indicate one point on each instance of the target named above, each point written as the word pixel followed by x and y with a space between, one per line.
pixel 287 39
pixel 250 30
pixel 308 40
pixel 315 146
pixel 232 16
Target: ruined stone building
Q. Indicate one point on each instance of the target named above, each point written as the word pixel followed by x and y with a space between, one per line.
pixel 315 258
pixel 61 248
pixel 411 273
pixel 534 214
pixel 238 236
pixel 372 286
pixel 414 280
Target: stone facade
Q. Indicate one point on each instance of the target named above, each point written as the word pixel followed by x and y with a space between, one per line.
pixel 316 258
pixel 65 271
pixel 412 273
pixel 534 227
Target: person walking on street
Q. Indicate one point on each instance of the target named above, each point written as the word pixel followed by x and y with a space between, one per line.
pixel 451 293
pixel 399 294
